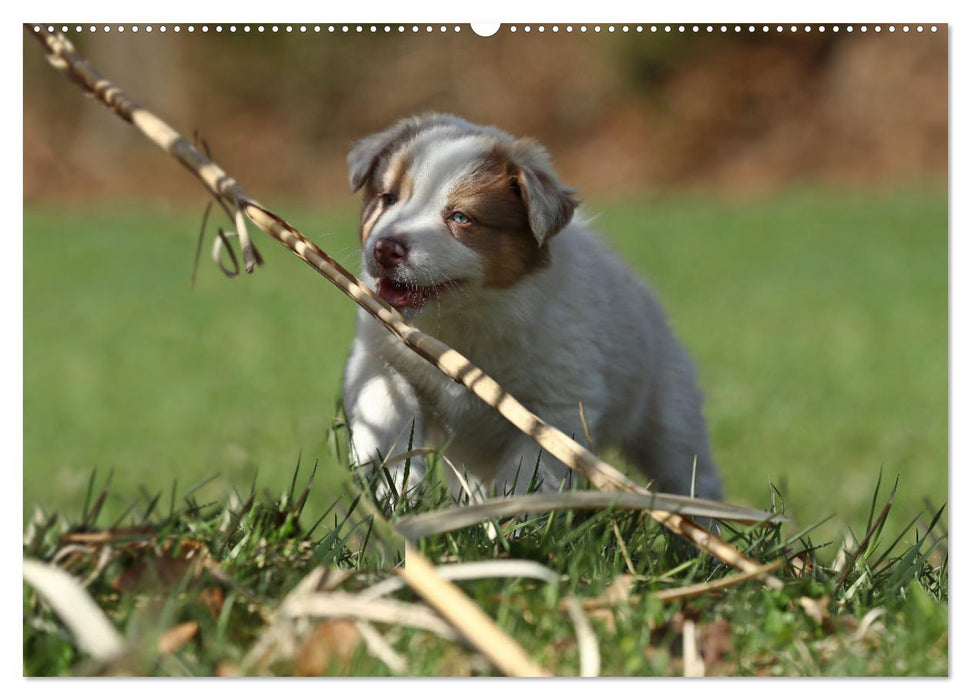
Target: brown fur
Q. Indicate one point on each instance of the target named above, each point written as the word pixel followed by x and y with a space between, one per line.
pixel 400 186
pixel 499 230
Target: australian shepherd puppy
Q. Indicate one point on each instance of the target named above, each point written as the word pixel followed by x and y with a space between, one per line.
pixel 469 233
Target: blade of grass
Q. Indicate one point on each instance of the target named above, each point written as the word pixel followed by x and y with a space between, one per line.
pixel 871 531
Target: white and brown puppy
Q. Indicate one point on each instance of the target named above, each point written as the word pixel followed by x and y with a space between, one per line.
pixel 468 232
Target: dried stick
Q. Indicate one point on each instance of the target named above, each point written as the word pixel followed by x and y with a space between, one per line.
pixel 228 192
pixel 467 617
pixel 61 55
pixel 587 645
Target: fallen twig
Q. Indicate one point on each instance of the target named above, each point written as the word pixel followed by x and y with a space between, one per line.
pixel 514 568
pixel 726 582
pixel 480 631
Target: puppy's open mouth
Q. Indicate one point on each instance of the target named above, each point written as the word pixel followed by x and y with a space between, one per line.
pixel 408 296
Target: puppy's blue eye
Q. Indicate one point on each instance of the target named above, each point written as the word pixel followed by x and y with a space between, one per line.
pixel 460 218
pixel 387 199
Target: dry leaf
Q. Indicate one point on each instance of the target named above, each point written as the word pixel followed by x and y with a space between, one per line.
pixel 227 669
pixel 159 571
pixel 816 608
pixel 716 645
pixel 213 598
pixel 800 567
pixel 605 617
pixel 162 569
pixel 331 645
pixel 172 640
pixel 869 625
pixel 619 591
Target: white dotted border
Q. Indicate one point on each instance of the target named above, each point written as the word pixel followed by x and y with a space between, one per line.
pixel 247 28
pixel 514 28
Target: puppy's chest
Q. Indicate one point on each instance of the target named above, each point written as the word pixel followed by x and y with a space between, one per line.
pixel 448 402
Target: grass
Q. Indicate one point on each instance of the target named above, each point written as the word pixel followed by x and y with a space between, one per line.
pixel 817 320
pixel 887 617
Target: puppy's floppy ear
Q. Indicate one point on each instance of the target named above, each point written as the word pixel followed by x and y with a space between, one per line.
pixel 549 204
pixel 366 152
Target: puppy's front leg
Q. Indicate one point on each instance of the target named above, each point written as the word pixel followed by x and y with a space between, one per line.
pixel 383 414
pixel 525 465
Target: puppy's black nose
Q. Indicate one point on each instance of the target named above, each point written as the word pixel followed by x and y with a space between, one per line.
pixel 390 252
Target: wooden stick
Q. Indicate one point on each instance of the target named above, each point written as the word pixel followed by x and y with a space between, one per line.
pixel 456 607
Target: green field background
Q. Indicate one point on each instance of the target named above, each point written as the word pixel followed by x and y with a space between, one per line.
pixel 817 318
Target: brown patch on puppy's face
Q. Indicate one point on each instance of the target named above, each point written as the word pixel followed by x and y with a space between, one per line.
pixel 389 184
pixel 498 222
pixel 460 205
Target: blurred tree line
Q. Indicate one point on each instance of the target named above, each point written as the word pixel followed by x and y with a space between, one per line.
pixel 620 112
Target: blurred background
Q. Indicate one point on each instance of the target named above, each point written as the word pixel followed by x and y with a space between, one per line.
pixel 621 112
pixel 785 194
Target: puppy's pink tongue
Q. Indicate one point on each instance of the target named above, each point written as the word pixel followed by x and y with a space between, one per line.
pixel 398 295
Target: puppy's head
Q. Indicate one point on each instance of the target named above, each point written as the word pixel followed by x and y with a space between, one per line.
pixel 448 203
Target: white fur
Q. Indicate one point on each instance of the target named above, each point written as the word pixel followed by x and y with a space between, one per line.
pixel 583 330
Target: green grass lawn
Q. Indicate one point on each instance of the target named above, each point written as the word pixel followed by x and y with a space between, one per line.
pixel 819 324
pixel 817 320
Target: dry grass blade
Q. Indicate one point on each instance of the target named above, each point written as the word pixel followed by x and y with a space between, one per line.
pixel 867 623
pixel 436 522
pixel 378 647
pixel 726 582
pixel 490 529
pixel 337 604
pixel 514 568
pixel 839 562
pixel 251 257
pixel 586 426
pixel 79 613
pixel 402 456
pixel 587 645
pixel 278 639
pixel 62 56
pixel 694 665
pixel 38 526
pixel 620 591
pixel 623 548
pixel 480 631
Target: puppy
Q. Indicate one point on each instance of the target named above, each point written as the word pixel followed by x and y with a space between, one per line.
pixel 468 232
